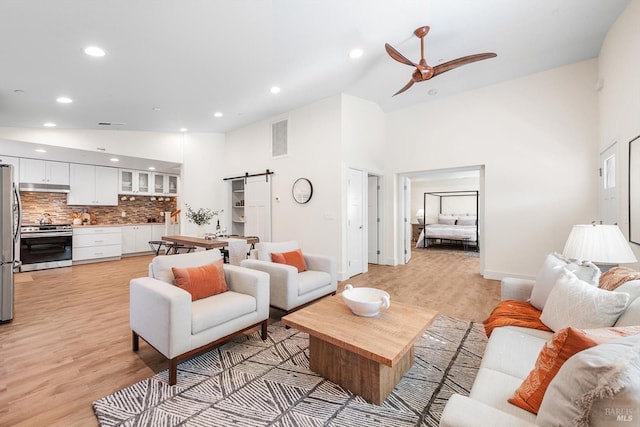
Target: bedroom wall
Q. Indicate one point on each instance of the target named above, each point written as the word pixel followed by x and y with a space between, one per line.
pixel 419 187
pixel 535 136
pixel 619 99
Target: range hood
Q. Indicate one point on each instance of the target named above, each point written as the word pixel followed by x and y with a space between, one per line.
pixel 44 188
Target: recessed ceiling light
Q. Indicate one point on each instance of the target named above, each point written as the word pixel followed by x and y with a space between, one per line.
pixel 151 168
pixel 41 150
pixel 94 51
pixel 217 114
pixel 49 125
pixel 64 100
pixel 355 53
pixel 183 129
pixel 274 90
pixel 114 159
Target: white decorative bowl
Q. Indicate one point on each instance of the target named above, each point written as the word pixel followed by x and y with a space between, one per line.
pixel 366 302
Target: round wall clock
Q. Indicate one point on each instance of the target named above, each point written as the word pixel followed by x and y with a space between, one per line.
pixel 302 190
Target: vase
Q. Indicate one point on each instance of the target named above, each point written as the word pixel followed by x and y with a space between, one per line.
pixel 201 231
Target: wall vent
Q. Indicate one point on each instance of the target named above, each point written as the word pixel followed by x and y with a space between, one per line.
pixel 279 139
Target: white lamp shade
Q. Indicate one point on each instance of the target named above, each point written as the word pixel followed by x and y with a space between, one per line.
pixel 600 244
pixel 420 216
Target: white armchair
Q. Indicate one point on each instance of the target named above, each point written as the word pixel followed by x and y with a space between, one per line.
pixel 290 290
pixel 166 318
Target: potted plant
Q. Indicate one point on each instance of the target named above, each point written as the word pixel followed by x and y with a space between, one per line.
pixel 200 217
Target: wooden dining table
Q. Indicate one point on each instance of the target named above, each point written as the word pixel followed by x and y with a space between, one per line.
pixel 208 243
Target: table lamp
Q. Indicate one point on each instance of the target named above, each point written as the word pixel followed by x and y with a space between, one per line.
pixel 604 245
pixel 420 216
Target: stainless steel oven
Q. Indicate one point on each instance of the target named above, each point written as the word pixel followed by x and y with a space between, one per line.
pixel 45 246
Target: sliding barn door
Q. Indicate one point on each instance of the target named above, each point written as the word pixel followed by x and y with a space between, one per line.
pixel 257 208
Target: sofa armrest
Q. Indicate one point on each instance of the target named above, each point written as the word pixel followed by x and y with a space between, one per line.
pixel 462 411
pixel 513 288
pixel 249 282
pixel 161 314
pixel 322 263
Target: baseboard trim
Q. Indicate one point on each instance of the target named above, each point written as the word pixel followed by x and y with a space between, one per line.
pixel 498 275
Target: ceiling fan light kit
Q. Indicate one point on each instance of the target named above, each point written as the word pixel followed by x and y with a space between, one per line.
pixel 424 71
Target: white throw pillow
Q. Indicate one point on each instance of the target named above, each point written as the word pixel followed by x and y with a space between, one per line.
pixel 573 302
pixel 266 248
pixel 551 270
pixel 599 386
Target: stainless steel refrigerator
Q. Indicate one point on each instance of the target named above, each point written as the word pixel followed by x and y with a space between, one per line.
pixel 10 217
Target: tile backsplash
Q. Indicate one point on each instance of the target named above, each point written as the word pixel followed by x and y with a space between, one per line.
pixel 140 210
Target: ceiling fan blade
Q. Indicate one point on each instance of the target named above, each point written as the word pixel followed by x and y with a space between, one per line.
pixel 439 69
pixel 397 55
pixel 407 86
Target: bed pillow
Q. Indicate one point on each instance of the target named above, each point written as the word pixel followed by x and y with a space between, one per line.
pixel 573 302
pixel 596 387
pixel 447 219
pixel 550 271
pixel 466 220
pixel 617 276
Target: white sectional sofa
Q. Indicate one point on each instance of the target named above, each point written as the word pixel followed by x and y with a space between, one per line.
pixel 510 356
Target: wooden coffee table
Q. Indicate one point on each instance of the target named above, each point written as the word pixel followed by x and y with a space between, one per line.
pixel 367 355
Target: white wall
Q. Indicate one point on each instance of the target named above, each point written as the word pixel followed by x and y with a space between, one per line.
pixel 419 187
pixel 619 99
pixel 536 138
pixel 314 147
pixel 202 177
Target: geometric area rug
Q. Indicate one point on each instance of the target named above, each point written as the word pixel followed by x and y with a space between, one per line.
pixel 250 382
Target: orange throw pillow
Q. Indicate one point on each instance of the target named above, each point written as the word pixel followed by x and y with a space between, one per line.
pixel 514 313
pixel 201 282
pixel 293 258
pixel 564 344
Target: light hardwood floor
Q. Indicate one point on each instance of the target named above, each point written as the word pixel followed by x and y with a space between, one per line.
pixel 70 343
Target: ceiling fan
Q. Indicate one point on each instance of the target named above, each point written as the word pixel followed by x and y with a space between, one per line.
pixel 423 70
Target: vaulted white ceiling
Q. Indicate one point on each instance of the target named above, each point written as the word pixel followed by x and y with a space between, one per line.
pixel 172 64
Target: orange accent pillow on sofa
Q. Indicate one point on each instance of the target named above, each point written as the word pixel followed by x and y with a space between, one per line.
pixel 564 344
pixel 201 282
pixel 293 258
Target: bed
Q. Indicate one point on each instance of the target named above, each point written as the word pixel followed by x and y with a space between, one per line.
pixel 449 228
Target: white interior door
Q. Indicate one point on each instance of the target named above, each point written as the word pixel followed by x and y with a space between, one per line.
pixel 609 188
pixel 408 229
pixel 257 208
pixel 355 222
pixel 373 220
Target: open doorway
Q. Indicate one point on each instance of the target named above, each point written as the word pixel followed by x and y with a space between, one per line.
pixel 451 180
pixel 374 221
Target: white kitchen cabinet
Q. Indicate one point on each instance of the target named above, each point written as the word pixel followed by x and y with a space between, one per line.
pixel 165 184
pixel 92 185
pixel 135 238
pixel 135 182
pixel 15 161
pixel 44 172
pixel 93 244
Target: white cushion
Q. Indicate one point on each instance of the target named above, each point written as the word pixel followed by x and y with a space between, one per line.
pixel 595 386
pixel 311 280
pixel 161 265
pixel 573 302
pixel 217 309
pixel 550 271
pixel 632 287
pixel 516 361
pixel 265 249
pixel 494 388
pixel 631 316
